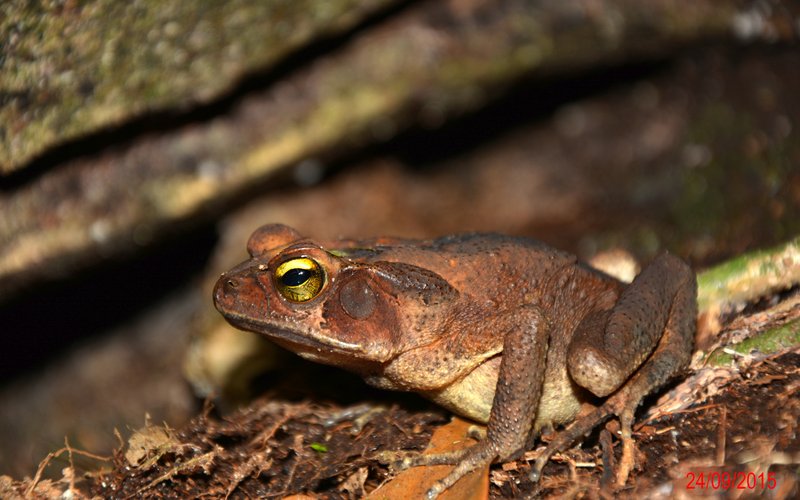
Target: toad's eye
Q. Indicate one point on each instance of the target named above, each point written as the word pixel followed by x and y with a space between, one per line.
pixel 299 279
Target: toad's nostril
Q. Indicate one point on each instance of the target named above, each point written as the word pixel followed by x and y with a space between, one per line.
pixel 231 283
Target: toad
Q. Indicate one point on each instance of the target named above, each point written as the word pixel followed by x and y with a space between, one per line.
pixel 503 330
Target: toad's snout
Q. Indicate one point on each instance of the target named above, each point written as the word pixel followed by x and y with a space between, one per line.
pixel 238 289
pixel 224 291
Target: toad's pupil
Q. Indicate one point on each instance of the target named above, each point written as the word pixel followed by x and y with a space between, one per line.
pixel 295 277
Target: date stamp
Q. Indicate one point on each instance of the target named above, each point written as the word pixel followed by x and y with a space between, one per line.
pixel 714 480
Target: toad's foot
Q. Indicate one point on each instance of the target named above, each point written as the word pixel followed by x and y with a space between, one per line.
pixel 566 437
pixel 401 460
pixel 620 405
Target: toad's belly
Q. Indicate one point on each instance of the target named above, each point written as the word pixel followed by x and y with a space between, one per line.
pixel 559 402
pixel 472 396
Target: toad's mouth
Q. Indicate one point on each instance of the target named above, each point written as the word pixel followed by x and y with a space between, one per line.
pixel 299 340
pixel 314 347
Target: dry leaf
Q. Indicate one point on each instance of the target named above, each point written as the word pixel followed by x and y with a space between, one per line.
pixel 415 482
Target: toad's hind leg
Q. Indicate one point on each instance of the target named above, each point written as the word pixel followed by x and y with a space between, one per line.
pixel 658 310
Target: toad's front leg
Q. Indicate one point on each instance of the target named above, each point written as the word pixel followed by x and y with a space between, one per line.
pixel 519 387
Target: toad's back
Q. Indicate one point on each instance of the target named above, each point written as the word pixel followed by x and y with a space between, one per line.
pixel 491 267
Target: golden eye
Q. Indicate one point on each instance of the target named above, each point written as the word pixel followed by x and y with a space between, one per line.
pixel 300 279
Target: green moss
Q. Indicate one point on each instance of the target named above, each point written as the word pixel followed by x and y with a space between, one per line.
pixel 749 276
pixel 745 279
pixel 773 340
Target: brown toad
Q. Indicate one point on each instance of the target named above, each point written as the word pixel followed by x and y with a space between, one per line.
pixel 503 330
